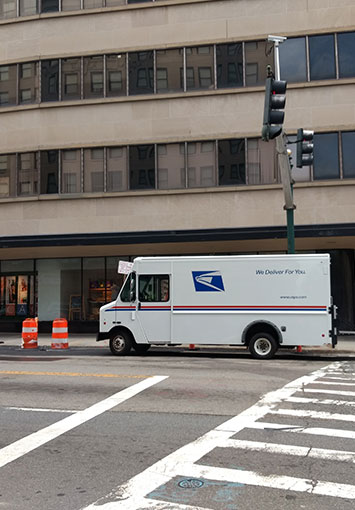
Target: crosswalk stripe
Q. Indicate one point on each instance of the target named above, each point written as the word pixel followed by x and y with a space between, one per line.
pixel 326 401
pixel 314 414
pixel 339 378
pixel 285 449
pixel 329 392
pixel 335 383
pixel 318 431
pixel 289 483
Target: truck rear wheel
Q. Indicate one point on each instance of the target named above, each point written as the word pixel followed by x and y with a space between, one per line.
pixel 120 343
pixel 263 346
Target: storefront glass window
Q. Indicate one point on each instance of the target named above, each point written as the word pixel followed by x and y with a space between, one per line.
pixel 201 164
pixel 93 170
pixel 116 82
pixel 59 289
pixel 96 290
pixel 7 175
pixel 17 266
pixel 229 65
pixel 171 166
pixel 231 161
pixel 142 167
pixel 17 290
pixel 114 279
pixel 49 172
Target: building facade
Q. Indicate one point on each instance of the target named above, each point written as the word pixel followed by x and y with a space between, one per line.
pixel 133 128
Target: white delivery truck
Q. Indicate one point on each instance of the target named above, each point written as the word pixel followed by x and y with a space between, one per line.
pixel 263 302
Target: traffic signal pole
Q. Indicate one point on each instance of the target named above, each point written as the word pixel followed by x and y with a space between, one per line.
pixel 283 160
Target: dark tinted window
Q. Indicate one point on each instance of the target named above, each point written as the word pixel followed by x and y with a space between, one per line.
pixel 116 75
pixel 258 55
pixel 49 172
pixel 348 147
pixel 50 80
pixel 71 78
pixel 169 64
pixel 93 77
pixel 346 51
pixel 199 68
pixel 321 57
pixel 229 65
pixel 142 167
pixel 293 64
pixel 326 156
pixel 141 73
pixel 231 161
pixel 49 5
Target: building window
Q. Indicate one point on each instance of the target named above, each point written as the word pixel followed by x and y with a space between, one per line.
pixel 229 65
pixel 322 57
pixel 171 166
pixel 200 63
pixel 116 75
pixel 8 9
pixel 49 5
pixel 27 174
pixel 93 77
pixel 8 80
pixel 94 170
pixel 169 63
pixel 258 55
pixel 117 175
pixel 293 60
pixel 346 45
pixel 71 5
pixel 71 171
pixel 71 74
pixel 262 163
pixel 231 162
pixel 201 164
pixel 141 72
pixel 49 172
pixel 348 150
pixel 28 7
pixel 142 166
pixel 7 175
pixel 326 156
pixel 28 83
pixel 50 80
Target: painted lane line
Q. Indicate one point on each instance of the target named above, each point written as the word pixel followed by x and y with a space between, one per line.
pixel 340 378
pixel 288 483
pixel 330 392
pixel 314 414
pixel 285 449
pixel 331 383
pixel 326 401
pixel 72 374
pixel 317 431
pixel 27 444
pixel 41 410
pixel 133 495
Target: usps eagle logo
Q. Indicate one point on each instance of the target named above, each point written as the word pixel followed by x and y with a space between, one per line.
pixel 208 281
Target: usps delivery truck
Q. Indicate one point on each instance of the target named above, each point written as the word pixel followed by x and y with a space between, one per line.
pixel 263 302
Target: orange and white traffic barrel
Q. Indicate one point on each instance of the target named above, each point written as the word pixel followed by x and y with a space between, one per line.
pixel 60 334
pixel 29 334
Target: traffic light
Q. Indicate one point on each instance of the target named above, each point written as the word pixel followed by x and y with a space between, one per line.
pixel 304 148
pixel 275 101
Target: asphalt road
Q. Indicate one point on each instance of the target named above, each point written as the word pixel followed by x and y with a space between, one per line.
pixel 77 425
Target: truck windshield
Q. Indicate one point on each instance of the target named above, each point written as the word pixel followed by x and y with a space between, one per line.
pixel 128 292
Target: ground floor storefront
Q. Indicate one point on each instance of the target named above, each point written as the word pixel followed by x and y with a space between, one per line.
pixel 84 274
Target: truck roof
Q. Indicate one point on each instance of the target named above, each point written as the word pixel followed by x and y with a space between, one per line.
pixel 232 257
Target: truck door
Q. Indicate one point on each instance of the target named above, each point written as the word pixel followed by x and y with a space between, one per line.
pixel 154 306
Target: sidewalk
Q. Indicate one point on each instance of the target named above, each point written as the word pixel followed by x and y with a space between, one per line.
pixel 346 343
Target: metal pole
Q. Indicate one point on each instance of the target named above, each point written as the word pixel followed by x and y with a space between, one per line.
pixel 284 165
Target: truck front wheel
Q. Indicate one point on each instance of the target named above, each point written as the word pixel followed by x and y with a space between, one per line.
pixel 120 343
pixel 263 346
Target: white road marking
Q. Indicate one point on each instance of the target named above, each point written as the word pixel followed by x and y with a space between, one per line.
pixel 330 392
pixel 314 414
pixel 41 410
pixel 27 444
pixel 326 401
pixel 339 378
pixel 134 495
pixel 317 431
pixel 285 449
pixel 335 383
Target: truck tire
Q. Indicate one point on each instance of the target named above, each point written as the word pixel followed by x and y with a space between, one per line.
pixel 141 348
pixel 263 346
pixel 120 343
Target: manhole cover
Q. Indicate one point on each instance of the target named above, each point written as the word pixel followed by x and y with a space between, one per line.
pixel 190 483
